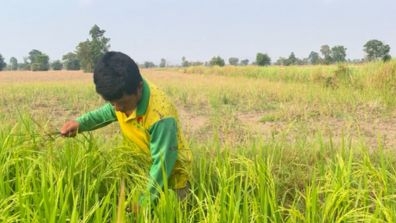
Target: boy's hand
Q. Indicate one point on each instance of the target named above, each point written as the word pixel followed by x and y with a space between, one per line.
pixel 69 129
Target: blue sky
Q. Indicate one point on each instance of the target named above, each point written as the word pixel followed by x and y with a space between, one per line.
pixel 148 30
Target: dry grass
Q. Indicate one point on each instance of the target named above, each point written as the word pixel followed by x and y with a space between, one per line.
pixel 238 108
pixel 14 77
pixel 274 149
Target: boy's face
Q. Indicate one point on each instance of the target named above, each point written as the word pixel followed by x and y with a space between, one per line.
pixel 128 103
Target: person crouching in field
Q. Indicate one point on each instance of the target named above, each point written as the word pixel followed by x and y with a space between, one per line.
pixel 146 117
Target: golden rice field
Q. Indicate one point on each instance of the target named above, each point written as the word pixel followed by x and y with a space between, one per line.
pixel 270 144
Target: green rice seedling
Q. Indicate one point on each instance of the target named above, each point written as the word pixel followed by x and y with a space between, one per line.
pixel 81 182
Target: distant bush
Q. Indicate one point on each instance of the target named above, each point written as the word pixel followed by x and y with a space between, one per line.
pixel 39 67
pixel 56 65
pixel 217 61
pixel 38 61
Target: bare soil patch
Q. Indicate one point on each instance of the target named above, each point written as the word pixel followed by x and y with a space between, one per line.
pixel 7 77
pixel 374 131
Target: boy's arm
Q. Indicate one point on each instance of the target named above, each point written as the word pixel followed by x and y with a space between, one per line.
pixel 164 150
pixel 97 118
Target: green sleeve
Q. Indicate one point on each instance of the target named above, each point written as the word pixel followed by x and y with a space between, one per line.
pixel 97 118
pixel 164 149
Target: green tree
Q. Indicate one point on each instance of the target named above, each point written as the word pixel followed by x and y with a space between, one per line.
pixel 2 63
pixel 338 54
pixel 25 65
pixel 376 49
pixel 244 62
pixel 38 61
pixel 292 60
pixel 281 61
pixel 262 59
pixel 71 61
pixel 57 65
pixel 326 52
pixel 386 58
pixel 148 64
pixel 196 63
pixel 13 63
pixel 162 63
pixel 85 56
pixel 89 51
pixel 233 61
pixel 185 63
pixel 217 61
pixel 314 58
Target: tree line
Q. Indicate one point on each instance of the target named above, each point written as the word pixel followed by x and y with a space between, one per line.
pixel 83 58
pixel 89 51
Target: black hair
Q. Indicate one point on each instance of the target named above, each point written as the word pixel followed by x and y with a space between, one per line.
pixel 116 74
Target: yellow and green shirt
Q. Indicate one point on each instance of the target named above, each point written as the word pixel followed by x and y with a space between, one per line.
pixel 155 129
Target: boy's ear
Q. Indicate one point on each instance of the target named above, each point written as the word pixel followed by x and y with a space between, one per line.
pixel 140 88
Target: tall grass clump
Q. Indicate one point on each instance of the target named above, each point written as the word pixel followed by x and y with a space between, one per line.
pixel 45 179
pixel 383 78
pixel 81 180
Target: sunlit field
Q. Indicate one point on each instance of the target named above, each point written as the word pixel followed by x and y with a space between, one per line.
pixel 270 144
